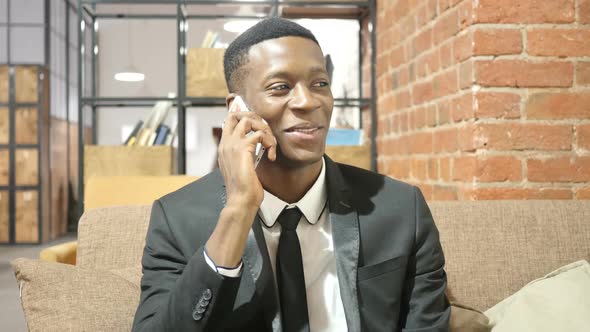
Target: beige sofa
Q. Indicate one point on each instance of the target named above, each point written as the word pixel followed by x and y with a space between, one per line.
pixel 492 248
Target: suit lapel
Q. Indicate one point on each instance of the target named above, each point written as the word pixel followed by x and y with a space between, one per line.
pixel 257 262
pixel 345 234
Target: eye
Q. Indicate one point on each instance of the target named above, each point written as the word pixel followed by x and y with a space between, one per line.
pixel 279 87
pixel 322 84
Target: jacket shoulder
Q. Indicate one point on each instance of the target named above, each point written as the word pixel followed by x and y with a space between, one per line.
pixel 206 190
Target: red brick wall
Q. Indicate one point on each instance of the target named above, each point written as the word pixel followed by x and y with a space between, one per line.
pixel 485 99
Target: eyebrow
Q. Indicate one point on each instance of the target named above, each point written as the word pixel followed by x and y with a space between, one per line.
pixel 282 73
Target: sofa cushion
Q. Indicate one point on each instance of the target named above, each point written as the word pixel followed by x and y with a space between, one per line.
pixel 494 248
pixel 112 238
pixel 557 302
pixel 62 297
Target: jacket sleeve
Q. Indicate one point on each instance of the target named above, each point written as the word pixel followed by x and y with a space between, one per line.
pixel 427 308
pixel 179 293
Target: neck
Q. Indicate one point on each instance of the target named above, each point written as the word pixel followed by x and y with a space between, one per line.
pixel 287 183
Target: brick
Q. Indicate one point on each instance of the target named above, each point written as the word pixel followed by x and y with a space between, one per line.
pixel 419 118
pixel 466 75
pixel 559 169
pixel 446 27
pixel 464 168
pixel 419 169
pixel 427 64
pixel 444 193
pixel 400 9
pixel 420 142
pixel 445 169
pixel 407 26
pixel 583 73
pixel 446 54
pixel 463 47
pixel 432 165
pixel 554 106
pixel 402 100
pixel 583 137
pixel 462 107
pixel 422 16
pixel 431 116
pixel 399 168
pixel 498 105
pixel 497 41
pixel 518 136
pixel 499 169
pixel 519 73
pixel 404 76
pixel 465 12
pixel 443 112
pixel 520 194
pixel 431 9
pixel 422 42
pixel 445 84
pixel 397 57
pixel 558 42
pixel 445 140
pixel 583 193
pixel 584 11
pixel 403 122
pixel 422 93
pixel 524 11
pixel 468 138
pixel 443 5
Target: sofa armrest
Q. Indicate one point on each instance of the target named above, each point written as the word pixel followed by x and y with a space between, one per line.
pixel 61 253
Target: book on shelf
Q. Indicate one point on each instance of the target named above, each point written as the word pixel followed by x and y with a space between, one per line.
pixel 171 135
pixel 132 136
pixel 163 131
pixel 145 132
pixel 210 39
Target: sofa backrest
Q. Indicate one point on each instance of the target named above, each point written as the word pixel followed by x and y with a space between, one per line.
pixel 112 237
pixel 492 248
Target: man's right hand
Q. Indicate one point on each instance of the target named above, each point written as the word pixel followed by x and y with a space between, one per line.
pixel 244 191
pixel 241 132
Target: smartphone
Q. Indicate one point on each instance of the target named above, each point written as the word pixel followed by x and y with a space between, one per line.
pixel 239 105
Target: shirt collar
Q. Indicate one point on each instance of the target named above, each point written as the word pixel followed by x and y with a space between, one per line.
pixel 312 204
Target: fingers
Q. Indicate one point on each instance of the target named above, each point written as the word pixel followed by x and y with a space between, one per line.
pixel 249 125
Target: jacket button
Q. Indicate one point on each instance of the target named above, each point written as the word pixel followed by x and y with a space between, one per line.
pixel 200 310
pixel 197 316
pixel 207 294
pixel 203 303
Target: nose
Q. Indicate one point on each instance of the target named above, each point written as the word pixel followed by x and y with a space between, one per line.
pixel 304 99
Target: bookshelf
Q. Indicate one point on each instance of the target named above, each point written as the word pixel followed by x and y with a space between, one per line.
pixel 183 11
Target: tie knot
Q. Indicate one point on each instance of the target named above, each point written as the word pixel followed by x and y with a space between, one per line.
pixel 289 218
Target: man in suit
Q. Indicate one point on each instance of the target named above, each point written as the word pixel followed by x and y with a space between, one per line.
pixel 300 243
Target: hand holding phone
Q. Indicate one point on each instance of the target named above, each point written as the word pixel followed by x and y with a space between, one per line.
pixel 239 105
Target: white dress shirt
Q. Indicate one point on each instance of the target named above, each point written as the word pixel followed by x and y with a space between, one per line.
pixel 324 304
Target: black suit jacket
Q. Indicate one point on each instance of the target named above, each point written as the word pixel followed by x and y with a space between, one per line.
pixel 388 257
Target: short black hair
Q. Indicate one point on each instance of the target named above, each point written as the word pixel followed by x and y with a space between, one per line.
pixel 236 55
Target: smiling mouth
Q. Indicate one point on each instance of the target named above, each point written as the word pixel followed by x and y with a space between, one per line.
pixel 304 128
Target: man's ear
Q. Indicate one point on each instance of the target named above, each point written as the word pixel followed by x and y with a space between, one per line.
pixel 229 99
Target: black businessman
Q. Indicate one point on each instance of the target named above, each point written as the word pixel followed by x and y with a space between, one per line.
pixel 300 242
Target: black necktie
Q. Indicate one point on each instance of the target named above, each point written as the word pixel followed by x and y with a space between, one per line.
pixel 290 278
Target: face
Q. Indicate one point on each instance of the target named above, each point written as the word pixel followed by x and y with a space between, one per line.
pixel 287 85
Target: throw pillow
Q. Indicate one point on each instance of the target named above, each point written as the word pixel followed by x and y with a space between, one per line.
pixel 557 302
pixel 61 297
pixel 466 319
